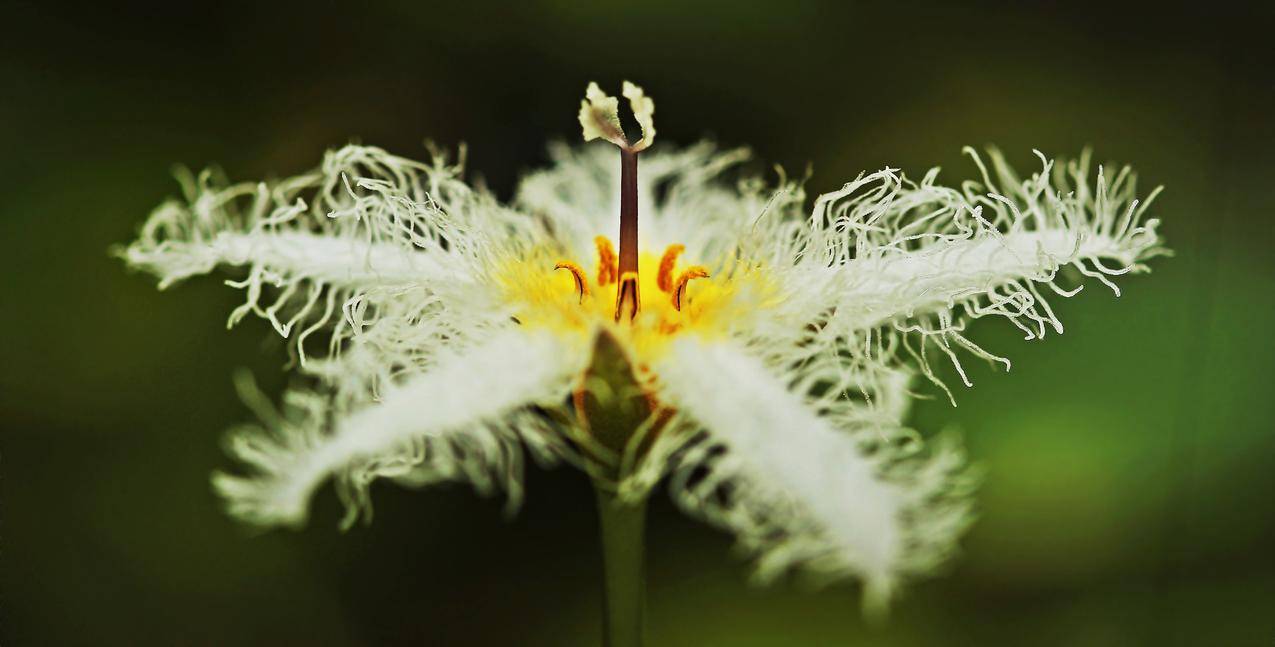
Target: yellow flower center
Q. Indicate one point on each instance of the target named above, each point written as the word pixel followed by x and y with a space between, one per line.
pixel 675 298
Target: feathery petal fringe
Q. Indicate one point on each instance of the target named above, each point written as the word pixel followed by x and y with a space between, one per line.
pixel 363 229
pixel 455 419
pixel 887 264
pixel 797 491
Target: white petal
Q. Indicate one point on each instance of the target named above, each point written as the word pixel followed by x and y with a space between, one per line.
pixel 878 289
pixel 340 261
pixel 923 260
pixel 365 223
pixel 805 491
pixel 454 402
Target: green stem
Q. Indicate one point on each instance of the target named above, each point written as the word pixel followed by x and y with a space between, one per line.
pixel 624 589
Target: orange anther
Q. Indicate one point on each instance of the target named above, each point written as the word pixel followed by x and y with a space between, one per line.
pixel 679 289
pixel 669 261
pixel 608 269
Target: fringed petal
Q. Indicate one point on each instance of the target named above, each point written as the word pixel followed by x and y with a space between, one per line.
pixel 364 224
pixel 798 490
pixel 918 261
pixel 459 420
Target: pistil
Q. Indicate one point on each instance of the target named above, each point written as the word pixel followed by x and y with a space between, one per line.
pixel 627 300
pixel 599 119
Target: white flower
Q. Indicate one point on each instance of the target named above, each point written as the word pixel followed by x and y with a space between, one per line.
pixel 757 355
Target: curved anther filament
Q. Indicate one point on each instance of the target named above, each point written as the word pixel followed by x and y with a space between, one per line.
pixel 679 287
pixel 582 285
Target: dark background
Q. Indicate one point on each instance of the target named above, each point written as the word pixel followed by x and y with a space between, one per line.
pixel 1128 496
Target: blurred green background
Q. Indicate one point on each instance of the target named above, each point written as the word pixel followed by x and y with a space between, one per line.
pixel 1131 464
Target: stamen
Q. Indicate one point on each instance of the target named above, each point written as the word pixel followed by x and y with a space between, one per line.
pixel 607 269
pixel 665 278
pixel 679 292
pixel 582 286
pixel 626 296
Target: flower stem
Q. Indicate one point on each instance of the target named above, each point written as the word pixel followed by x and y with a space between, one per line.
pixel 624 588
